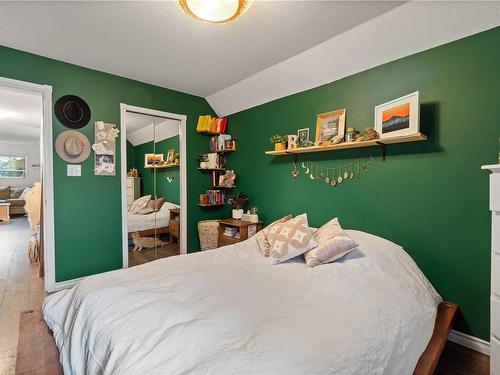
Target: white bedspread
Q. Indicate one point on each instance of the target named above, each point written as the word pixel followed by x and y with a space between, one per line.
pixel 153 220
pixel 229 311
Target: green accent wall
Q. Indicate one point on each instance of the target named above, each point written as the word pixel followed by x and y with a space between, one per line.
pixel 88 208
pixel 430 197
pixel 170 191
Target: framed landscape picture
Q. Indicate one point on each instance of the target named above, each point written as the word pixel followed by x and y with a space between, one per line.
pixel 398 117
pixel 330 127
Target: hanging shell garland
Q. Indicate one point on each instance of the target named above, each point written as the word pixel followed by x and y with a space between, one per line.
pixel 334 176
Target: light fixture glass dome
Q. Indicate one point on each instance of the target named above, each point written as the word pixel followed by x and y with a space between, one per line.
pixel 215 11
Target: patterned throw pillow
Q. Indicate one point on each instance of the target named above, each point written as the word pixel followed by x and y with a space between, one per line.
pixel 289 239
pixel 261 236
pixel 155 205
pixel 333 243
pixel 139 204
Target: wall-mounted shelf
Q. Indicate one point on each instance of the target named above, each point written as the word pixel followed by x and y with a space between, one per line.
pixel 225 151
pixel 211 205
pixel 165 166
pixel 347 145
pixel 212 169
pixel 206 132
pixel 223 187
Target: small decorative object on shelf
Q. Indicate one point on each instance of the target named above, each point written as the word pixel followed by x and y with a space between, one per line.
pixel 330 127
pixel 251 215
pixel 227 179
pixel 292 141
pixel 239 201
pixel 351 135
pixel 369 134
pixel 133 173
pixel 303 138
pixel 279 142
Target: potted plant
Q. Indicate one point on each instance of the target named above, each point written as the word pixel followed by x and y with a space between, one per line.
pixel 279 142
pixel 239 201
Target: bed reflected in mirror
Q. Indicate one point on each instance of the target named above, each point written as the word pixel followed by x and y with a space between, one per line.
pixel 153 187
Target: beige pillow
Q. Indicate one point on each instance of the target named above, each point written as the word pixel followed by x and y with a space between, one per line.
pixel 146 210
pixel 333 243
pixel 261 236
pixel 156 204
pixel 139 204
pixel 289 239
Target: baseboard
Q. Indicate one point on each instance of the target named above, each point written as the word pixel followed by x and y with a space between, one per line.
pixel 470 342
pixel 66 284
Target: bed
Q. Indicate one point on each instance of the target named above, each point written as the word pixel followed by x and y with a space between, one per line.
pixel 150 224
pixel 230 311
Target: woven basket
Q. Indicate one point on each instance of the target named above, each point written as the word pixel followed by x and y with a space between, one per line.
pixel 208 231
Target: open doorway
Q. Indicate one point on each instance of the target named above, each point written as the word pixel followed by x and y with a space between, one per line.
pixel 153 185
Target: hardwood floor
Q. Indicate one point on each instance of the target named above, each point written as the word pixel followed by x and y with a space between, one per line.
pixel 20 287
pixel 147 255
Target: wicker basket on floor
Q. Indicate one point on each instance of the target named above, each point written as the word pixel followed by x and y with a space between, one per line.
pixel 208 231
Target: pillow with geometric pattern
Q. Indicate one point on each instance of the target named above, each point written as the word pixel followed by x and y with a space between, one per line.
pixel 262 236
pixel 289 239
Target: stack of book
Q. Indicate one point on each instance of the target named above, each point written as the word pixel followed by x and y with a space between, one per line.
pixel 216 196
pixel 220 143
pixel 209 124
pixel 231 231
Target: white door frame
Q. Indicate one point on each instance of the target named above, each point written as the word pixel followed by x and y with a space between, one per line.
pixel 124 108
pixel 45 93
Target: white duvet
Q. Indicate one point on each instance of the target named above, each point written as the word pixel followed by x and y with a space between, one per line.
pixel 153 220
pixel 229 311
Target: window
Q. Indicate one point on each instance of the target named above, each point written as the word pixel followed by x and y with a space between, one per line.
pixel 12 166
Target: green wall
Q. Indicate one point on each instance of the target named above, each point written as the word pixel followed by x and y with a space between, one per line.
pixel 171 191
pixel 130 156
pixel 88 208
pixel 430 197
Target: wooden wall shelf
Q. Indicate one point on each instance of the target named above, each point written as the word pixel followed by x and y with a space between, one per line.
pixel 212 169
pixel 206 132
pixel 166 166
pixel 211 205
pixel 348 145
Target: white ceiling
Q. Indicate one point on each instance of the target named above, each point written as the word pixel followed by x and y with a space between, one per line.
pixel 155 42
pixel 20 117
pixel 143 128
pixel 276 49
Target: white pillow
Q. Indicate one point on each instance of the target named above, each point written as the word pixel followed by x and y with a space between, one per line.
pixel 139 204
pixel 333 243
pixel 289 239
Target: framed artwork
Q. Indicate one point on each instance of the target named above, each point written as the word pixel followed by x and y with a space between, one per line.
pixel 398 117
pixel 170 156
pixel 330 127
pixel 303 137
pixel 152 159
pixel 104 147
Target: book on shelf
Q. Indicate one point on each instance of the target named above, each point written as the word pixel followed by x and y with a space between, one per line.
pixel 207 123
pixel 216 196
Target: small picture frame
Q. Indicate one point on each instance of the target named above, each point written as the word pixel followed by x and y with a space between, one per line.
pixel 170 156
pixel 302 137
pixel 330 127
pixel 398 117
pixel 151 160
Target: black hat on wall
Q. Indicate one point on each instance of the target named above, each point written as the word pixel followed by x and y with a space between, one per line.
pixel 72 111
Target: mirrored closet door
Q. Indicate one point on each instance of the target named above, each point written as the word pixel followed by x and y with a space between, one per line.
pixel 153 187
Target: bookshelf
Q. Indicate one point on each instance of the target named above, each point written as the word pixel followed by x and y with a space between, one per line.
pixel 165 166
pixel 220 145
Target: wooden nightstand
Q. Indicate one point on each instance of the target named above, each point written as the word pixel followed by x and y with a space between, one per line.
pixel 4 212
pixel 173 224
pixel 244 229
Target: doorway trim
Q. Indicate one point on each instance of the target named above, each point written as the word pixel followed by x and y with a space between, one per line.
pixel 124 108
pixel 46 154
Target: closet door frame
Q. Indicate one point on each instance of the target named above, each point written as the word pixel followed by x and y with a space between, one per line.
pixel 124 108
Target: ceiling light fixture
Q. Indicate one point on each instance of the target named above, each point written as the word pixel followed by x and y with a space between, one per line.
pixel 215 11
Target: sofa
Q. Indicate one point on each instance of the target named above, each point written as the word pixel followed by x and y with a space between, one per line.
pixel 13 195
